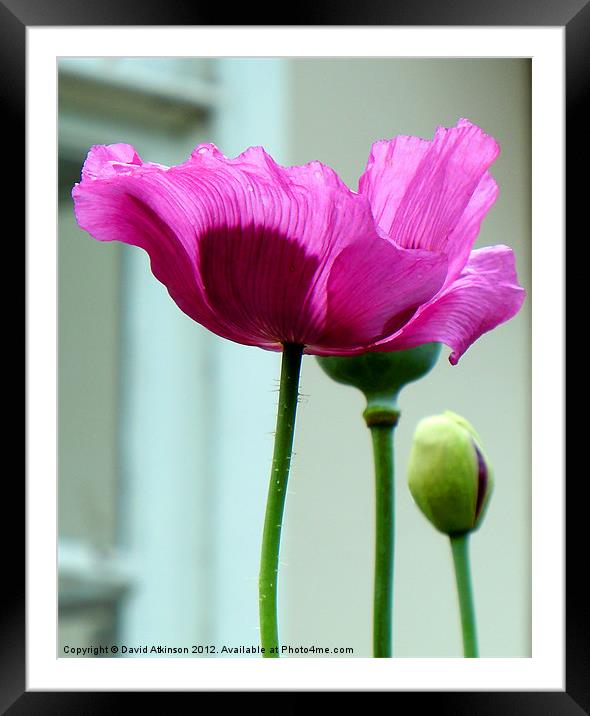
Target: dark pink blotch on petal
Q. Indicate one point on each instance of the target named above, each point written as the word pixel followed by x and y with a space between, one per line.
pixel 485 295
pixel 268 298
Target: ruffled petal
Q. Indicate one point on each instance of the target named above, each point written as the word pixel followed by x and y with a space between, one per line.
pixel 243 245
pixel 432 194
pixel 107 161
pixel 485 295
pixel 390 168
pixel 112 203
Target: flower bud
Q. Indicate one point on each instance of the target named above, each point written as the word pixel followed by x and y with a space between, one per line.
pixel 449 474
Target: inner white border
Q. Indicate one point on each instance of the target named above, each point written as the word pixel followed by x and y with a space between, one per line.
pixel 546 669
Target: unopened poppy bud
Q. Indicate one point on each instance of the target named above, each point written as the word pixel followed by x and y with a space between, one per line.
pixel 449 474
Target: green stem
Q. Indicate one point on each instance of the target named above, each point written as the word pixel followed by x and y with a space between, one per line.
pixel 460 549
pixel 277 492
pixel 382 436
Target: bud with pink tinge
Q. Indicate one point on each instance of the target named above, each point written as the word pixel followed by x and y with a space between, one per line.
pixel 449 474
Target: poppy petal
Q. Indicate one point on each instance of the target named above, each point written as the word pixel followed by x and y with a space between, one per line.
pixel 432 194
pixel 375 288
pixel 485 295
pixel 243 245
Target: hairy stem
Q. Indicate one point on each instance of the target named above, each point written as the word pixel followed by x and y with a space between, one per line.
pixel 277 492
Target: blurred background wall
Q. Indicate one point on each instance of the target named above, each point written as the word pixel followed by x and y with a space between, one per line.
pixel 165 430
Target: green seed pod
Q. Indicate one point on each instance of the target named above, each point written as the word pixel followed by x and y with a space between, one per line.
pixel 381 376
pixel 449 474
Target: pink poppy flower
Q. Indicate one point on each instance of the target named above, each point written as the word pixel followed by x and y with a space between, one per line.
pixel 264 255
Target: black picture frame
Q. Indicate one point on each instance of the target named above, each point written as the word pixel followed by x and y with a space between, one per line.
pixel 574 15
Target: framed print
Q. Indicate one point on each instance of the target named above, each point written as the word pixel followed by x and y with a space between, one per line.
pixel 152 531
